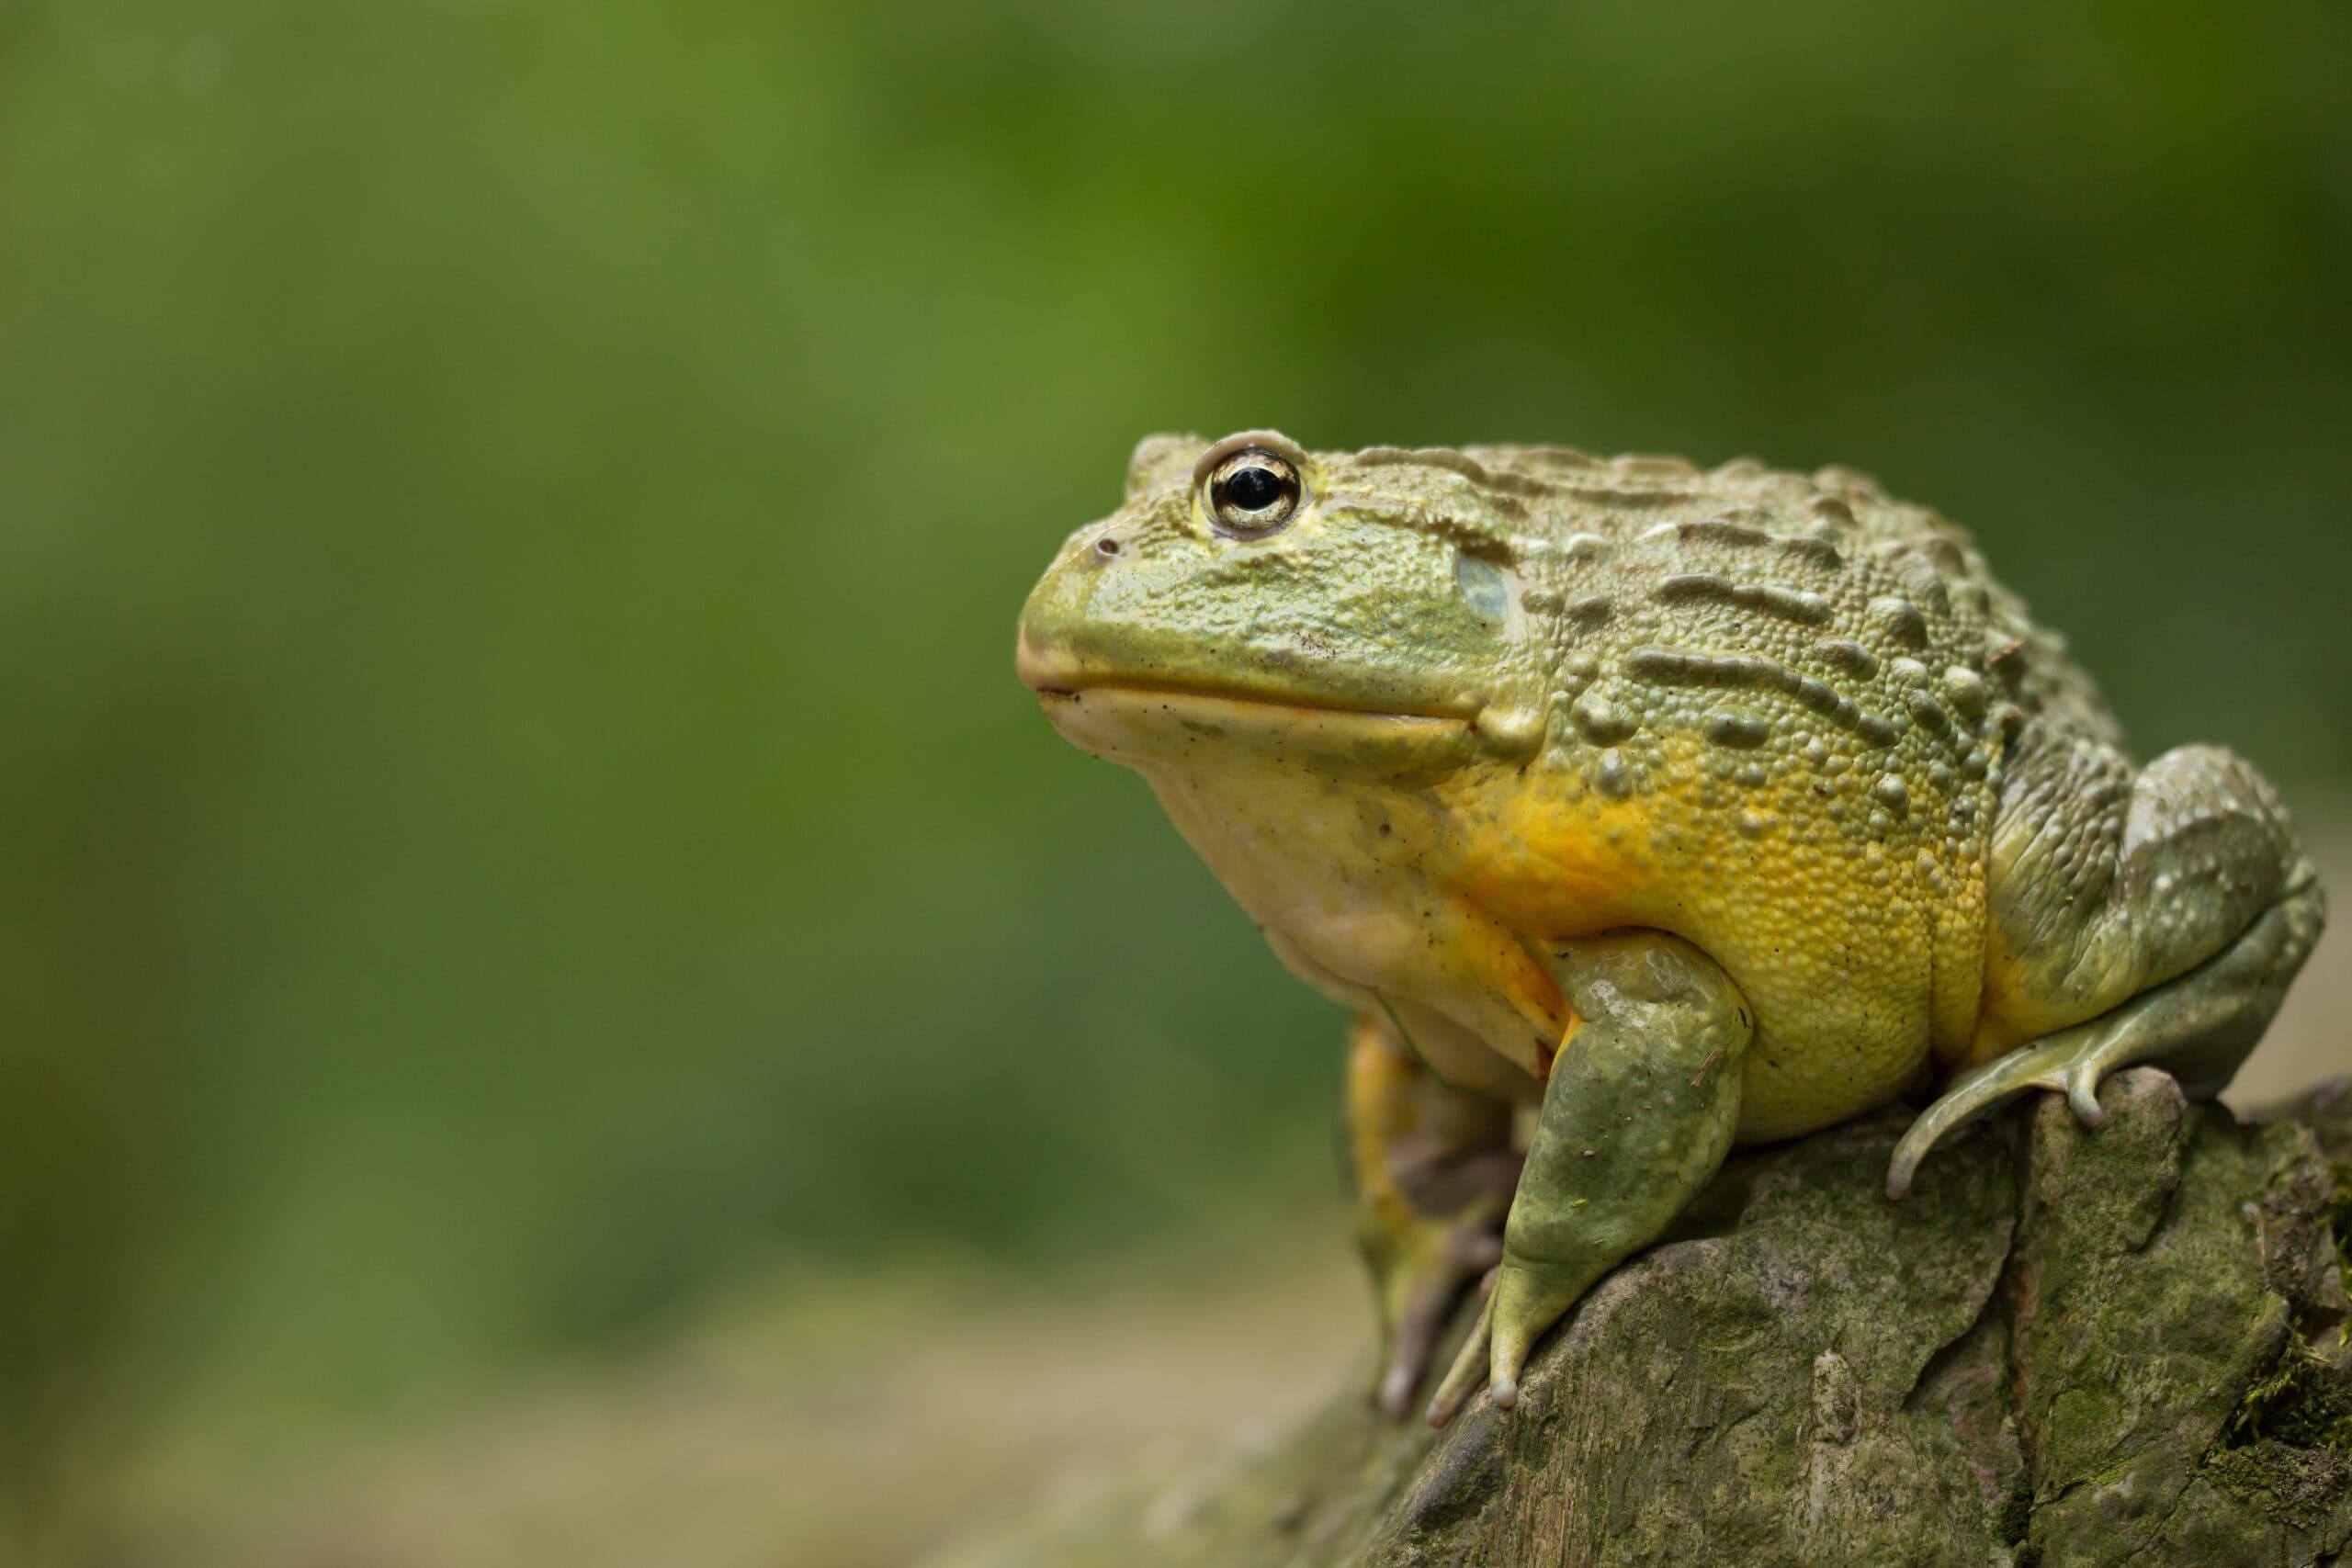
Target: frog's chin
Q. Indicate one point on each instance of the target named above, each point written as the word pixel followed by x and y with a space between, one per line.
pixel 1150 728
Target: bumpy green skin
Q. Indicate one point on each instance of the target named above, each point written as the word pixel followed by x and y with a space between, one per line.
pixel 1464 713
pixel 2054 1354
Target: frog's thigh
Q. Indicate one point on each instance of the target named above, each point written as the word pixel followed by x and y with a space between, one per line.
pixel 1639 1112
pixel 2170 926
pixel 1434 1168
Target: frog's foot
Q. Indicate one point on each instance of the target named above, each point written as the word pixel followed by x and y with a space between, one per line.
pixel 2199 1026
pixel 1419 1286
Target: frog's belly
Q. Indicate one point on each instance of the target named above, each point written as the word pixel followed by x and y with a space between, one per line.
pixel 1855 953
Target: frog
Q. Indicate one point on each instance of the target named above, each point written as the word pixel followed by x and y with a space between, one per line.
pixel 1636 811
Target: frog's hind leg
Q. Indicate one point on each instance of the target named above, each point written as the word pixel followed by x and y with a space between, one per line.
pixel 2178 896
pixel 1434 1168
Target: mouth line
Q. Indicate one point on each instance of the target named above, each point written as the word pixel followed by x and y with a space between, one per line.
pixel 1064 691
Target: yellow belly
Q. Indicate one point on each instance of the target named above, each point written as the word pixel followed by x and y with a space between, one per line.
pixel 1859 951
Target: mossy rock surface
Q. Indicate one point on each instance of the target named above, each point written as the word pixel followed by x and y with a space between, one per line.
pixel 2066 1346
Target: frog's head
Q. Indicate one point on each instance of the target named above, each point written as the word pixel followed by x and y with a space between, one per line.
pixel 1321 603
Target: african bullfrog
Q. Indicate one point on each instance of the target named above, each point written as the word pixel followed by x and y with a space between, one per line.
pixel 1637 810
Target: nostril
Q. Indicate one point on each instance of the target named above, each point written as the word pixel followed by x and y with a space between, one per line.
pixel 1106 546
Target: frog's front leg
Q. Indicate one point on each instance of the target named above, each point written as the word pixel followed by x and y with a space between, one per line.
pixel 1434 1168
pixel 1637 1115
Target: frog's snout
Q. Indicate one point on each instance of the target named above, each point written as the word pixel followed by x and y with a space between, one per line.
pixel 1041 655
pixel 1034 666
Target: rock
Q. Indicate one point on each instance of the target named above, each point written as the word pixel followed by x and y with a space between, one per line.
pixel 2066 1346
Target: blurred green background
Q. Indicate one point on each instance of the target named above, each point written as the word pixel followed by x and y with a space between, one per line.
pixel 518 814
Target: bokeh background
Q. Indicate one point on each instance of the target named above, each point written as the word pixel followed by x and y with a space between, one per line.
pixel 557 1001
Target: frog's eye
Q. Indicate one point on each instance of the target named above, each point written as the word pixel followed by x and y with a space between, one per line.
pixel 1252 494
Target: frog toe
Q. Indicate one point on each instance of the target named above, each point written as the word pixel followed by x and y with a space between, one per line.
pixel 1526 1303
pixel 2082 1091
pixel 1976 1093
pixel 1521 1304
pixel 1469 1369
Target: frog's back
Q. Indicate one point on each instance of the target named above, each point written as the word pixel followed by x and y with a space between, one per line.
pixel 1780 709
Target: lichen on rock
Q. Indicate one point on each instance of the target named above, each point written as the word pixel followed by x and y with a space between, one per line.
pixel 2066 1346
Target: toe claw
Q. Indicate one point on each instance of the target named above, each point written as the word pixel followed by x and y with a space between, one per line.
pixel 2082 1093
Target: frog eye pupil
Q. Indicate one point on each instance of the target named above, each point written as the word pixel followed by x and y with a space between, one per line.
pixel 1253 490
pixel 1254 494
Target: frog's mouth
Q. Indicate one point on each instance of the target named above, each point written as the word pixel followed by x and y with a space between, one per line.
pixel 1175 697
pixel 1146 726
pixel 1143 722
pixel 1063 680
pixel 1060 679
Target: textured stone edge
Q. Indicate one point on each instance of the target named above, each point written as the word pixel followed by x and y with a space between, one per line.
pixel 2070 1346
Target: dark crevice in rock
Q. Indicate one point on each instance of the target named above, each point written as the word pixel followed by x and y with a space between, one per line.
pixel 2016 1295
pixel 2302 1398
pixel 2168 1208
pixel 1992 1316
